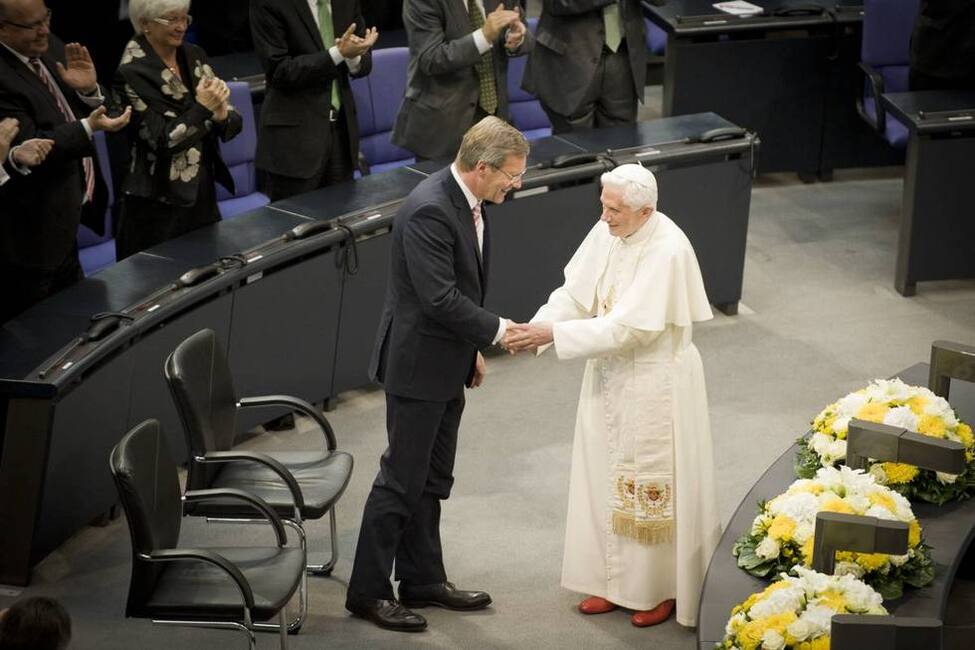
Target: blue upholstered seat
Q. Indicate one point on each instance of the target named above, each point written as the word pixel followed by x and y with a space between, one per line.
pixel 656 38
pixel 238 154
pixel 98 251
pixel 884 58
pixel 377 100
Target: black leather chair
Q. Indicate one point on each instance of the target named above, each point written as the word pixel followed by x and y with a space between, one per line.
pixel 226 587
pixel 298 485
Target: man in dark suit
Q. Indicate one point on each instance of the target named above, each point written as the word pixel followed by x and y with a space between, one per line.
pixel 590 63
pixel 458 70
pixel 943 46
pixel 432 325
pixel 309 134
pixel 48 87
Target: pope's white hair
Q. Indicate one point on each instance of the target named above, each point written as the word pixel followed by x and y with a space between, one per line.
pixel 140 10
pixel 636 182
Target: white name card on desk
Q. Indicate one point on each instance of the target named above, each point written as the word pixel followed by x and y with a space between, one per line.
pixel 738 8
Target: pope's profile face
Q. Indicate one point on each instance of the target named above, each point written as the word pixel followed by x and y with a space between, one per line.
pixel 622 220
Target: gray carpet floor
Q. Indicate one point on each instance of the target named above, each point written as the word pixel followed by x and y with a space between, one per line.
pixel 819 318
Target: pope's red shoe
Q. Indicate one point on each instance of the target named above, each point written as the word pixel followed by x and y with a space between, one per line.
pixel 655 616
pixel 596 605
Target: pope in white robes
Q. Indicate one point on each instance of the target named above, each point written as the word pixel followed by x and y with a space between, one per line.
pixel 642 519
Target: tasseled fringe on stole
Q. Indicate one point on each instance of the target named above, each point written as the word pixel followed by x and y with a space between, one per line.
pixel 648 533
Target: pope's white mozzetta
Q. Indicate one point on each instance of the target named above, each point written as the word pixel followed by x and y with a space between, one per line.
pixel 642 519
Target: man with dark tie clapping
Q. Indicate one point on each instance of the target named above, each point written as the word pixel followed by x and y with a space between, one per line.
pixel 50 89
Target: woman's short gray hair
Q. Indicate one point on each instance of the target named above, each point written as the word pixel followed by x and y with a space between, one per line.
pixel 140 10
pixel 637 183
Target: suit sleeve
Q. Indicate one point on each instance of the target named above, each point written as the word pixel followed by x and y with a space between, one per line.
pixel 365 61
pixel 435 54
pixel 71 141
pixel 573 7
pixel 428 245
pixel 282 69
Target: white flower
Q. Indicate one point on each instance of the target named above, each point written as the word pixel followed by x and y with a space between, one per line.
pixel 902 417
pixel 787 599
pixel 899 560
pixel 818 618
pixel 772 640
pixel 767 549
pixel 797 507
pixel 761 524
pixel 734 623
pixel 850 405
pixel 878 473
pixel 841 424
pixel 800 629
pixel 946 478
pixel 848 568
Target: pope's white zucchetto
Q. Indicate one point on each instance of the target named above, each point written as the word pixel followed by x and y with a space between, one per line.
pixel 637 183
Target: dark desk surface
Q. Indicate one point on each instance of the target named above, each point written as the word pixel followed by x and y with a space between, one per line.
pixel 948 529
pixel 646 134
pixel 51 324
pixel 366 192
pixel 688 17
pixel 241 233
pixel 542 150
pixel 933 110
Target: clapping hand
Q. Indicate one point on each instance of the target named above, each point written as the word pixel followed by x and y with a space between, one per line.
pixel 79 73
pixel 8 131
pixel 529 336
pixel 497 20
pixel 98 120
pixel 31 153
pixel 516 33
pixel 214 94
pixel 350 46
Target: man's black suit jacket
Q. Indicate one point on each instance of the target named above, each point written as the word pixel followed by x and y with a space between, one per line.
pixel 433 320
pixel 40 212
pixel 299 72
pixel 943 44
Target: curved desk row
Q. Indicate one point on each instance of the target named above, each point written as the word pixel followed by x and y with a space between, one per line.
pixel 947 529
pixel 297 314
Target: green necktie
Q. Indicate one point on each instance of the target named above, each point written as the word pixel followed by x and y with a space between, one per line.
pixel 328 40
pixel 611 22
pixel 485 67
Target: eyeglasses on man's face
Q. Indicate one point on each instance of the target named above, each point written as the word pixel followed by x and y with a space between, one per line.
pixel 186 20
pixel 34 26
pixel 513 178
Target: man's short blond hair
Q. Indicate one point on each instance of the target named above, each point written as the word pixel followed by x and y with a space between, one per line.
pixel 491 140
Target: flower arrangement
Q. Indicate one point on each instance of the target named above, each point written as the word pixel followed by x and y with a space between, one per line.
pixel 795 613
pixel 781 536
pixel 898 404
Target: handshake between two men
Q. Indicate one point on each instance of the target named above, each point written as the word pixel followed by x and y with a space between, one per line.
pixel 519 337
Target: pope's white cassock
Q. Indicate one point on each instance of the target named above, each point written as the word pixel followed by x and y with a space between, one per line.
pixel 642 520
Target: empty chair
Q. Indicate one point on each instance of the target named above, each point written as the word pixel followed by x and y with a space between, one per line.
pixel 298 485
pixel 885 59
pixel 98 251
pixel 377 100
pixel 526 111
pixel 228 587
pixel 238 154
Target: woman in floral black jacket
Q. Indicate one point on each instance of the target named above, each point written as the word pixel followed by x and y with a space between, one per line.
pixel 180 108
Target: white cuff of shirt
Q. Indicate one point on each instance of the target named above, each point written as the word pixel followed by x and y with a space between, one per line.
pixel 481 41
pixel 86 126
pixel 95 100
pixel 502 328
pixel 4 176
pixel 23 170
pixel 337 59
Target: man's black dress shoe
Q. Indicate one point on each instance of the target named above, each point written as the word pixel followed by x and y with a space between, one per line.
pixel 387 614
pixel 442 594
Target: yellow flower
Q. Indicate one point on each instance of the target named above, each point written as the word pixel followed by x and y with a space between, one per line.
pixel 832 599
pixel 873 412
pixel 819 643
pixel 872 561
pixel 899 472
pixel 812 487
pixel 884 500
pixel 932 425
pixel 751 633
pixel 782 528
pixel 913 533
pixel 807 551
pixel 836 504
pixel 964 433
pixel 917 404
